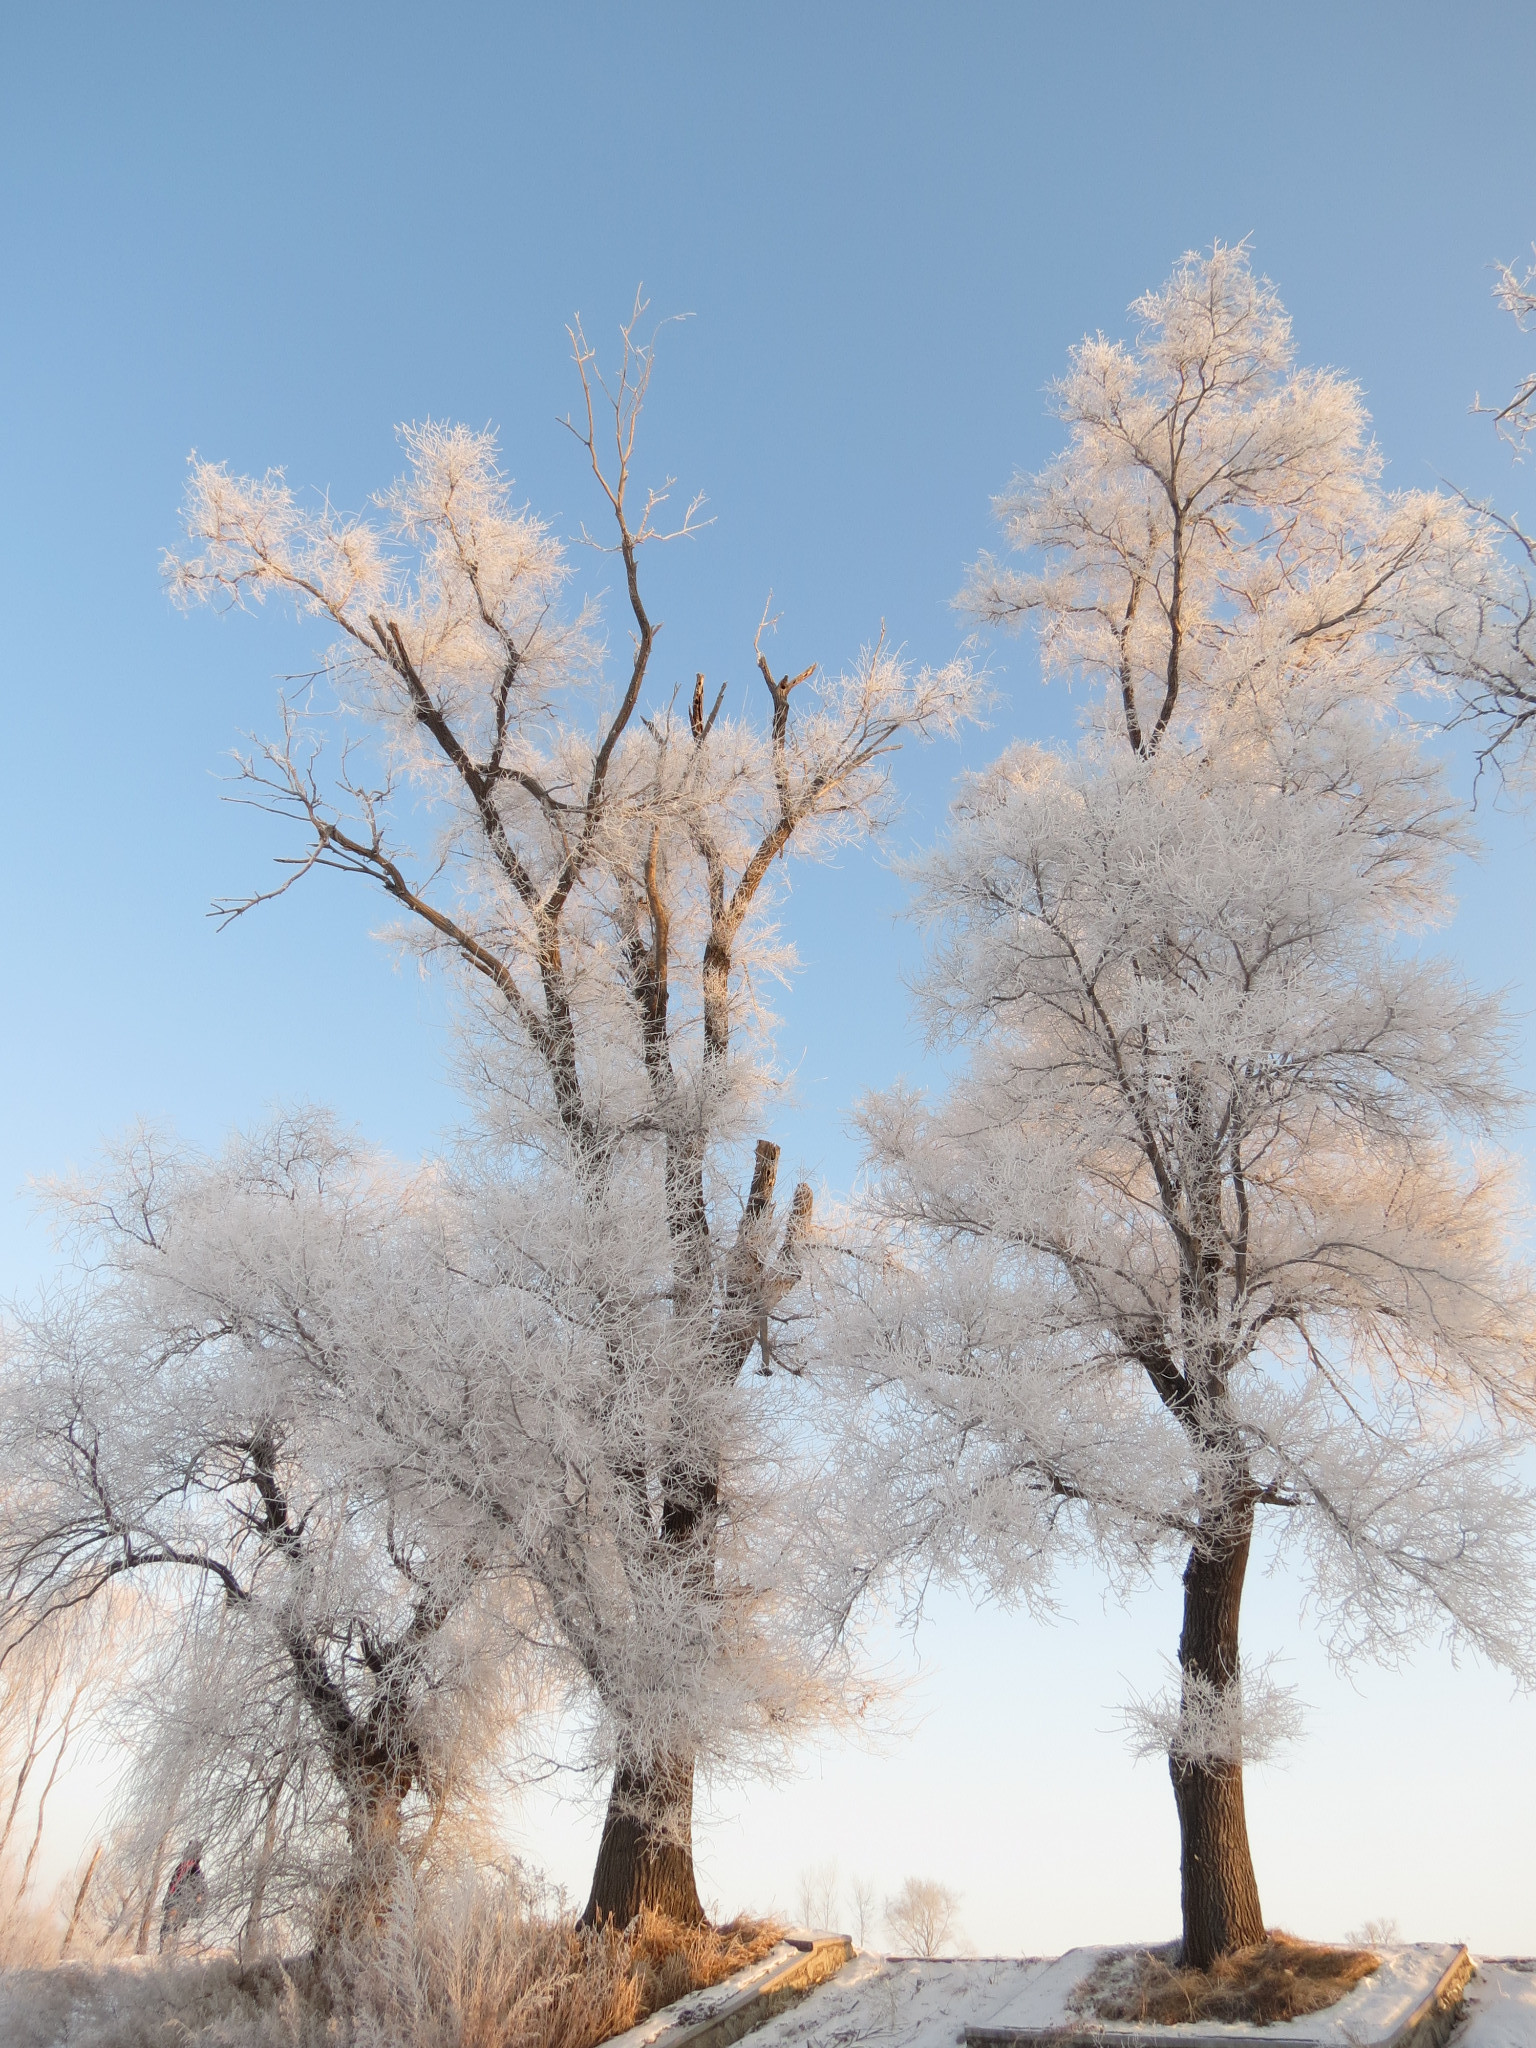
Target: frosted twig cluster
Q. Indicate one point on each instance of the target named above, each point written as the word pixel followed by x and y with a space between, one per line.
pixel 1197 1722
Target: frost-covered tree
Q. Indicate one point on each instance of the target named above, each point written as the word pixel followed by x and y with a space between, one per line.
pixel 1194 1238
pixel 604 875
pixel 208 1414
pixel 1516 293
pixel 1479 633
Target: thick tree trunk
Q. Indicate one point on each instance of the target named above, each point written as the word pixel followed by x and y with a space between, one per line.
pixel 645 1858
pixel 358 1904
pixel 1219 1893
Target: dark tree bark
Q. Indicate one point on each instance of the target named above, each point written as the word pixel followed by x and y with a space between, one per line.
pixel 1219 1892
pixel 645 1858
pixel 645 1854
pixel 357 1904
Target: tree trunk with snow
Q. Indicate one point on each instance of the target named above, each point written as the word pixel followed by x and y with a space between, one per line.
pixel 1219 1893
pixel 645 1857
pixel 357 1906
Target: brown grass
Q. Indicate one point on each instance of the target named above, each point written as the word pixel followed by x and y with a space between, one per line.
pixel 474 1968
pixel 1279 1978
pixel 514 1983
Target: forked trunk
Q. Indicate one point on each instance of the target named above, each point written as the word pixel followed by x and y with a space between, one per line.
pixel 645 1858
pixel 1219 1893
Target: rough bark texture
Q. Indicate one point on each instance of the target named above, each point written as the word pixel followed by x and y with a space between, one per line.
pixel 645 1858
pixel 358 1904
pixel 1219 1892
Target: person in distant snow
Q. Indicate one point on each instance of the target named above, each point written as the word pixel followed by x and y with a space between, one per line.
pixel 184 1895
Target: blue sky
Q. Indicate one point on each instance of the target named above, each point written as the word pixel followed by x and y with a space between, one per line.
pixel 272 234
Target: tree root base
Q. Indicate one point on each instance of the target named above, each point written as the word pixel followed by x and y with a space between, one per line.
pixel 1279 1978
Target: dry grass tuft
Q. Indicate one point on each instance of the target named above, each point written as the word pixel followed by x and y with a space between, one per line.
pixel 669 1961
pixel 469 1966
pixel 513 1982
pixel 29 1936
pixel 1279 1978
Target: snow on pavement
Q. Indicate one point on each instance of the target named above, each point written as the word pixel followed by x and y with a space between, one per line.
pixel 921 2004
pixel 1500 2007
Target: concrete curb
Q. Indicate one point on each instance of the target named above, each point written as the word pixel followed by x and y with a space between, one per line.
pixel 817 1957
pixel 1432 2020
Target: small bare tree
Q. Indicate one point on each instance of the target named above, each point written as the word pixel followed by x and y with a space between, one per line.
pixel 861 1899
pixel 818 1895
pixel 922 1915
pixel 1379 1933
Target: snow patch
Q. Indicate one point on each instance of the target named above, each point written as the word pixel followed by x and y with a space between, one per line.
pixel 1500 2006
pixel 883 1999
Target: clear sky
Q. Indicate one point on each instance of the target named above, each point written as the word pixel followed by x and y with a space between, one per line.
pixel 272 233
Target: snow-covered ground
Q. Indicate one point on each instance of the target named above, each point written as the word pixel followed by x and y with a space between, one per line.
pixel 1372 2012
pixel 892 1999
pixel 929 2004
pixel 1500 2007
pixel 885 2002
